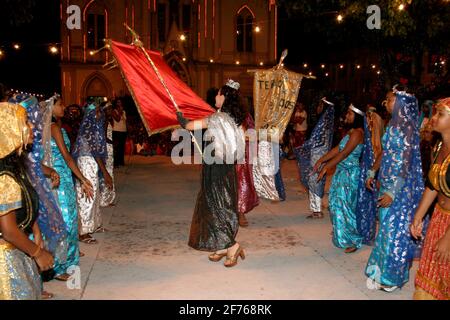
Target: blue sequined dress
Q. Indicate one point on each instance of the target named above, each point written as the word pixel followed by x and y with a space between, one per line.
pixel 400 177
pixel 343 198
pixel 68 204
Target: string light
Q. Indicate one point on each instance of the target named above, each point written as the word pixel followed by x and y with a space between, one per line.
pixel 16 46
pixel 257 29
pixel 238 63
pixel 341 66
pixel 184 59
pixel 261 63
pixel 182 37
pixel 322 66
pixel 1 53
pixel 326 74
pixel 211 60
pixel 305 65
pixel 340 18
pixel 401 7
pixel 358 66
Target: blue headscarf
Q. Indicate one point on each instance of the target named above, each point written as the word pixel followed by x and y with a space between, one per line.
pixel 91 139
pixel 50 220
pixel 401 175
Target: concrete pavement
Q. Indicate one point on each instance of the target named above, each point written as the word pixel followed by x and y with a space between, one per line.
pixel 144 254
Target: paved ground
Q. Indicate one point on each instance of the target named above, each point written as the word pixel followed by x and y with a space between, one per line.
pixel 144 254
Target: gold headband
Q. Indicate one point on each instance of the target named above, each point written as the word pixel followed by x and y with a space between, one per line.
pixel 444 104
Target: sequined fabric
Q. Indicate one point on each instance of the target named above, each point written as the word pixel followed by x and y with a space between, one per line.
pixel 14 131
pixel 366 207
pixel 68 203
pixel 10 195
pixel 343 197
pixel 19 276
pixel 401 176
pixel 264 171
pixel 279 184
pixel 312 150
pixel 89 210
pixel 433 277
pixel 215 223
pixel 247 196
pixel 50 219
pixel 107 195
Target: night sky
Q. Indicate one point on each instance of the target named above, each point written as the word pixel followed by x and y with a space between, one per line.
pixel 32 68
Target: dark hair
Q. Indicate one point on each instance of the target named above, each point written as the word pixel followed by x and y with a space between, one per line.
pixel 211 96
pixel 233 104
pixel 359 119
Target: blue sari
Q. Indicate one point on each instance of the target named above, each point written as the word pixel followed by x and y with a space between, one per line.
pixel 401 178
pixel 50 220
pixel 343 197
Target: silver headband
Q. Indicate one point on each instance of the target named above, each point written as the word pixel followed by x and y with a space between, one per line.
pixel 233 84
pixel 324 99
pixel 353 108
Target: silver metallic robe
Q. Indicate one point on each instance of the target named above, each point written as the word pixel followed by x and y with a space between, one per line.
pixel 107 196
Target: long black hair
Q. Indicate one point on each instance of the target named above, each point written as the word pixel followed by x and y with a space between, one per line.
pixel 233 104
pixel 358 122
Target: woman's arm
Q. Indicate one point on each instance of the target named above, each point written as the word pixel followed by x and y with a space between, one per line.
pixel 197 124
pixel 12 234
pixel 52 174
pixel 356 138
pixel 59 139
pixel 108 180
pixel 425 203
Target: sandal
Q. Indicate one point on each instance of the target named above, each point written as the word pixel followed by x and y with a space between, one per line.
pixel 46 295
pixel 350 250
pixel 315 215
pixel 62 277
pixel 88 239
pixel 101 230
pixel 216 257
pixel 232 261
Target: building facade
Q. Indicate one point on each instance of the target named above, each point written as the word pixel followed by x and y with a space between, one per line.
pixel 205 41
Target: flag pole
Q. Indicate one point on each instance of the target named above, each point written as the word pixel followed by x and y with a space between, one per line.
pixel 137 42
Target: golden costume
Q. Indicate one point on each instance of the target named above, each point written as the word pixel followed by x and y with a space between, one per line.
pixel 19 277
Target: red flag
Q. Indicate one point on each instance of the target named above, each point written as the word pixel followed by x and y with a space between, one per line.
pixel 155 107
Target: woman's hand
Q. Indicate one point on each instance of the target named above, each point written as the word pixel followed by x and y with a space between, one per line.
pixel 54 176
pixel 317 166
pixel 44 260
pixel 385 201
pixel 109 181
pixel 88 189
pixel 416 228
pixel 442 249
pixel 322 173
pixel 369 184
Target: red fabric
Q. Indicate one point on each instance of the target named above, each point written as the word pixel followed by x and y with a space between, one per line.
pixel 432 276
pixel 151 98
pixel 247 196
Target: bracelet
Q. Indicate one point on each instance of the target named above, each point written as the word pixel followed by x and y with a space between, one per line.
pixel 35 255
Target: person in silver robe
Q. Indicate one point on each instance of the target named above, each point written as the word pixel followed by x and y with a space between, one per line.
pixel 215 221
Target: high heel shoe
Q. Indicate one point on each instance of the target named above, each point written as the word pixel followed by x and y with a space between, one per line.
pixel 232 261
pixel 216 257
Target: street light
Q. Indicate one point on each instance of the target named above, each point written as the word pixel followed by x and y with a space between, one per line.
pixel 305 65
pixel 340 18
pixel 53 50
pixel 182 37
pixel 322 66
pixel 401 7
pixel 16 46
pixel 257 29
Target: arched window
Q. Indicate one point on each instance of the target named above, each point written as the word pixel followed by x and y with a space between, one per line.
pixel 244 30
